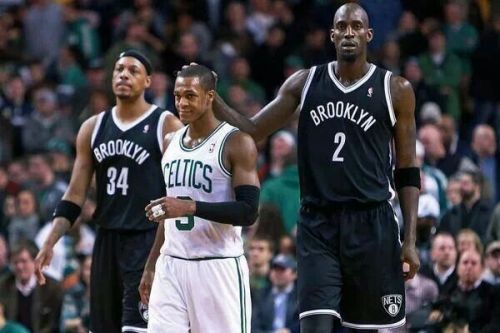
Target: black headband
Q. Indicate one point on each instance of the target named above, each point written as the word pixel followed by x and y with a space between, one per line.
pixel 139 56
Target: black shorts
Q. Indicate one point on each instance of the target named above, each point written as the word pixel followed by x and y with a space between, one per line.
pixel 349 265
pixel 117 264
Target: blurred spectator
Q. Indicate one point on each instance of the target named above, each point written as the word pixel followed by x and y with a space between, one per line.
pixel 38 307
pixel 268 60
pixel 469 303
pixel 283 191
pixel 427 217
pixel 390 57
pixel 96 74
pixel 98 102
pixel 48 189
pixel 493 232
pixel 240 75
pixel 270 223
pixel 384 17
pixel 16 108
pixel 411 41
pixel 457 152
pixel 61 155
pixel 187 50
pixel 161 91
pixel 76 302
pixel 260 252
pixel 45 123
pixel 260 19
pixel 69 69
pixel 293 63
pixel 277 309
pixel 234 34
pixel 4 257
pixel 473 212
pixel 9 211
pixel 144 12
pixel 453 193
pixel 487 157
pixel 442 268
pixel 315 49
pixel 18 173
pixel 461 36
pixel 26 223
pixel 442 72
pixel 43 44
pixel 187 24
pixel 492 272
pixel 420 293
pixel 79 241
pixel 427 150
pixel 287 245
pixel 467 240
pixel 485 84
pixel 81 32
pixel 281 147
pixel 423 92
pixel 9 326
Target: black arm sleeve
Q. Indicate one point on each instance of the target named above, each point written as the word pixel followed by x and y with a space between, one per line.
pixel 241 212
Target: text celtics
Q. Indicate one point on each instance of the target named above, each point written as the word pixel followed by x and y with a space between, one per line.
pixel 342 110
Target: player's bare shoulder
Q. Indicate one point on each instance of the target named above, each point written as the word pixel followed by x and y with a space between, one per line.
pixel 296 82
pixel 240 147
pixel 403 97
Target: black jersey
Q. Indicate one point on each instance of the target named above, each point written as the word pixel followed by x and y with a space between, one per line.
pixel 345 138
pixel 127 160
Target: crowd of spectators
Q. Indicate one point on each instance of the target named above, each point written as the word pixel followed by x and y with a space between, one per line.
pixel 55 63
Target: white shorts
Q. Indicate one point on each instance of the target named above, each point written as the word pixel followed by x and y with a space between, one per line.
pixel 200 296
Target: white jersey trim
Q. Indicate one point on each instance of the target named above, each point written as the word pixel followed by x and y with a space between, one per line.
pixel 159 129
pixel 181 137
pixel 344 89
pixel 319 312
pixel 96 127
pixel 374 327
pixel 388 97
pixel 310 76
pixel 221 155
pixel 134 329
pixel 126 126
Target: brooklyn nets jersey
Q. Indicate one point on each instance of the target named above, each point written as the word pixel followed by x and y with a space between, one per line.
pixel 127 166
pixel 199 173
pixel 345 138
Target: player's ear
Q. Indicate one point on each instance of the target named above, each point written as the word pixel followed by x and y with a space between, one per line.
pixel 210 96
pixel 369 35
pixel 332 35
pixel 148 81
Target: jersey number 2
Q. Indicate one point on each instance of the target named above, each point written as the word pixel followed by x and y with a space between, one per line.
pixel 117 181
pixel 340 140
pixel 185 223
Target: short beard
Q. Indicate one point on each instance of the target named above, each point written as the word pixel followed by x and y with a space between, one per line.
pixel 350 57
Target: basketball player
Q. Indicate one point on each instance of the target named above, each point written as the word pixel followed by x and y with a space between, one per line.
pixel 201 276
pixel 123 146
pixel 351 264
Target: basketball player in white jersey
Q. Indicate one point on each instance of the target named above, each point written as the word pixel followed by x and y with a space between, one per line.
pixel 201 276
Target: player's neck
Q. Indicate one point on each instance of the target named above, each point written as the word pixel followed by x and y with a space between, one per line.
pixel 203 126
pixel 128 110
pixel 350 72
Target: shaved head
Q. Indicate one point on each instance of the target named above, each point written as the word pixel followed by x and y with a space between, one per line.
pixel 349 9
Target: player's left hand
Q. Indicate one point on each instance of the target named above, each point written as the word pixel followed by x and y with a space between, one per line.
pixel 167 207
pixel 410 260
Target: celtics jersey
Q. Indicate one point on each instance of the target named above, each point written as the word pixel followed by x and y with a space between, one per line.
pixel 127 167
pixel 345 138
pixel 199 173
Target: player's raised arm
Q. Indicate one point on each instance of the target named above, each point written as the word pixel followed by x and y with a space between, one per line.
pixel 69 207
pixel 407 174
pixel 273 116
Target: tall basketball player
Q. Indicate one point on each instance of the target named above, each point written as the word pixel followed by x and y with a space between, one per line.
pixel 351 264
pixel 123 147
pixel 200 273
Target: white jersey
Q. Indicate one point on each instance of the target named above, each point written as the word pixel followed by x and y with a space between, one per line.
pixel 198 173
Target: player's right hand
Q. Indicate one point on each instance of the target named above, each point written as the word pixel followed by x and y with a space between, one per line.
pixel 145 285
pixel 42 260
